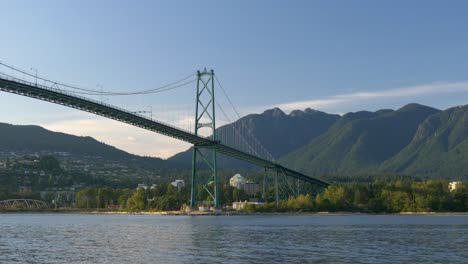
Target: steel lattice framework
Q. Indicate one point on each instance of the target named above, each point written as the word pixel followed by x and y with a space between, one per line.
pixel 23 203
pixel 58 96
pixel 205 155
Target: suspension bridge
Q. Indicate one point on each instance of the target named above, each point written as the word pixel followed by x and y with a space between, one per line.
pixel 205 147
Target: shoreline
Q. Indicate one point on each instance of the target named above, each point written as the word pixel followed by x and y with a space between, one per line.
pixel 224 213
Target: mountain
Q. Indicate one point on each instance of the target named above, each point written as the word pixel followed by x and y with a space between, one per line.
pixel 414 140
pixel 37 139
pixel 276 131
pixel 359 142
pixel 439 147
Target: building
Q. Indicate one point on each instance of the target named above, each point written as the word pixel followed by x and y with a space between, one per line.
pixel 179 184
pixel 251 188
pixel 240 205
pixel 454 185
pixel 237 181
pixel 142 186
pixel 146 187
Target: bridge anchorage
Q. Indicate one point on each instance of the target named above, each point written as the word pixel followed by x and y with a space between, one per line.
pixel 205 182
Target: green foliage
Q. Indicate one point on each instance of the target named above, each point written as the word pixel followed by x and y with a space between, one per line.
pixel 137 202
pixel 49 163
pixel 378 197
pixel 162 198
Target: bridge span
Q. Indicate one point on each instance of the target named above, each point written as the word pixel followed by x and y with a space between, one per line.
pixel 58 96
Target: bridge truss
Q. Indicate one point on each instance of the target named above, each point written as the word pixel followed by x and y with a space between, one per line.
pixel 23 203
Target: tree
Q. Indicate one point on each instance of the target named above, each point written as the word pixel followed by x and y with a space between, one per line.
pixel 137 202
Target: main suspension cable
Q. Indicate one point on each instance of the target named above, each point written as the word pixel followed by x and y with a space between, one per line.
pixel 97 92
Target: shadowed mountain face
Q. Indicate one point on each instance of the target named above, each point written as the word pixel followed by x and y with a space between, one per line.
pixel 277 132
pixel 439 147
pixel 37 139
pixel 359 142
pixel 415 140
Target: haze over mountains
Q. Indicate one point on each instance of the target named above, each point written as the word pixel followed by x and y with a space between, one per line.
pixel 414 140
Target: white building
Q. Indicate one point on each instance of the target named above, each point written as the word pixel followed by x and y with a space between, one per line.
pixel 142 186
pixel 179 184
pixel 237 181
pixel 454 185
pixel 240 205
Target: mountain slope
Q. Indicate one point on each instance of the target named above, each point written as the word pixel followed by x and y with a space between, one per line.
pixel 277 132
pixel 438 148
pixel 37 139
pixel 359 142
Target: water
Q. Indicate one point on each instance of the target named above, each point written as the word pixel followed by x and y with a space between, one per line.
pixel 78 238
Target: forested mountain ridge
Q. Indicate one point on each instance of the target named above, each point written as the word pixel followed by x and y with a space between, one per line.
pixel 439 147
pixel 278 132
pixel 35 139
pixel 359 142
pixel 415 140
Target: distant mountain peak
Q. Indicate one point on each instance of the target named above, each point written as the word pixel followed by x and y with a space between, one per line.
pixel 295 113
pixel 310 110
pixel 415 107
pixel 275 112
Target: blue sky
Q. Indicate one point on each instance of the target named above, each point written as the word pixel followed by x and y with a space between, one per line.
pixel 335 56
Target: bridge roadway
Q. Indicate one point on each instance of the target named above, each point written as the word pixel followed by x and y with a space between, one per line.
pixel 58 96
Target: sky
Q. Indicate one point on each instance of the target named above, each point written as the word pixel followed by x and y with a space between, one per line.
pixel 333 56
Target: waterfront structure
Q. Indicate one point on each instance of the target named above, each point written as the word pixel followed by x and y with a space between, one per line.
pixel 240 205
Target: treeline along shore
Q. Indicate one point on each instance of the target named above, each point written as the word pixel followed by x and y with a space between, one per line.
pixel 380 196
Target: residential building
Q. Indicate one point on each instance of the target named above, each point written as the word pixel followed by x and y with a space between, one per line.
pixel 179 184
pixel 251 188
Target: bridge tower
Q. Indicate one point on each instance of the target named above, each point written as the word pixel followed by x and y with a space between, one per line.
pixel 204 168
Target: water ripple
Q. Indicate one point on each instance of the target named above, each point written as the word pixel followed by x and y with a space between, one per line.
pixel 68 238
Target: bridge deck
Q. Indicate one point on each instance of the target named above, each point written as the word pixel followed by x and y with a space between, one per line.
pixel 58 96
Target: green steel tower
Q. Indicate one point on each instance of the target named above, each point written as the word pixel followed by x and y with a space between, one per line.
pixel 204 169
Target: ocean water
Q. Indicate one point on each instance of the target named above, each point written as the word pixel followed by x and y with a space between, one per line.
pixel 354 238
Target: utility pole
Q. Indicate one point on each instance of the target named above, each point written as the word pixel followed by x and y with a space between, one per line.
pixel 276 189
pixel 102 92
pixel 264 185
pixel 151 111
pixel 35 70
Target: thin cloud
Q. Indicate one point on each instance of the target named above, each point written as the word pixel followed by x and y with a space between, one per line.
pixel 427 89
pixel 121 135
